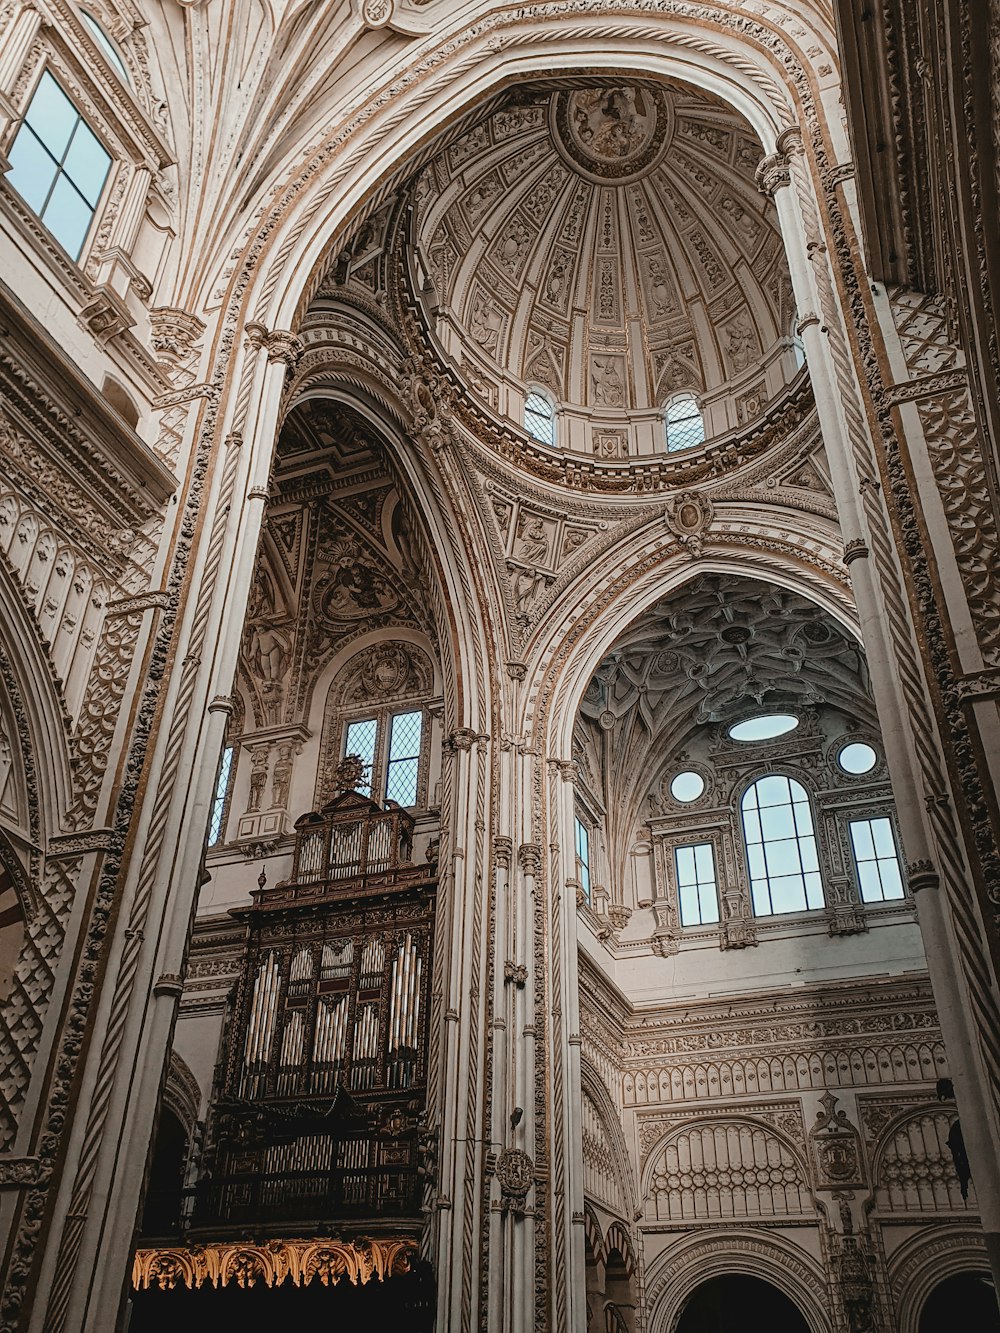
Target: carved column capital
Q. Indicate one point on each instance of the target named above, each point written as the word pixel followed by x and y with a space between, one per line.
pixel 503 851
pixel 529 858
pixel 922 875
pixel 256 334
pixel 462 738
pixel 772 174
pixel 283 345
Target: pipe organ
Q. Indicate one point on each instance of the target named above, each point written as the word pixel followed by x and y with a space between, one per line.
pixel 322 1083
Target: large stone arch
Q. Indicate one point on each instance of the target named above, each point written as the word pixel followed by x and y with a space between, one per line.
pixel 39 861
pixel 926 1259
pixel 750 63
pixel 749 1251
pixel 594 1087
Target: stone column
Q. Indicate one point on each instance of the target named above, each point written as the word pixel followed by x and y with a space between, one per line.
pixel 89 1242
pixel 958 960
pixel 565 1044
pixel 15 45
pixel 455 1095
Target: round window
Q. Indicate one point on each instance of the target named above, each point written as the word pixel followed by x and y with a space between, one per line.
pixel 687 787
pixel 763 728
pixel 857 758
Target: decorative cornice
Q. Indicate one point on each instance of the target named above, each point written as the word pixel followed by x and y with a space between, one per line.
pixel 245 1264
pixel 63 846
pixel 927 386
pixel 145 601
pixel 979 685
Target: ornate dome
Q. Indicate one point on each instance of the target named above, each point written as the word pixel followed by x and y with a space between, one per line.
pixel 609 244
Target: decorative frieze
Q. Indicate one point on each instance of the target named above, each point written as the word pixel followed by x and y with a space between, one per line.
pixel 299 1262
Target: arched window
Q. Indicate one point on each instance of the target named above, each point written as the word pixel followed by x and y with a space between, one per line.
pixel 107 46
pixel 781 847
pixel 684 423
pixel 390 746
pixel 540 417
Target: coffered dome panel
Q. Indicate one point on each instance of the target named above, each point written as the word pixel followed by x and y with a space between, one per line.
pixel 608 243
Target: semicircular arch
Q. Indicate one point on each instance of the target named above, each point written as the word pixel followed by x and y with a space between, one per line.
pixel 678 1271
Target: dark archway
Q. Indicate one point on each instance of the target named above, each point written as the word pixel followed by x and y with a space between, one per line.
pixel 970 1295
pixel 161 1212
pixel 735 1301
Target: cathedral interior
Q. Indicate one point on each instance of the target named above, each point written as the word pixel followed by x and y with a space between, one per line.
pixel 500 666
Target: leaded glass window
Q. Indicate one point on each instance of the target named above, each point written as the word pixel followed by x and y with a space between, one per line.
pixel 582 834
pixel 390 746
pixel 361 740
pixel 404 758
pixel 217 817
pixel 540 417
pixel 684 423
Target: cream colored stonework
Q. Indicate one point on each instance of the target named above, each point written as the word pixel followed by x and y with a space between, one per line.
pixel 265 472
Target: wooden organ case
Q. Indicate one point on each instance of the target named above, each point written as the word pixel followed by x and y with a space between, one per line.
pixel 321 1089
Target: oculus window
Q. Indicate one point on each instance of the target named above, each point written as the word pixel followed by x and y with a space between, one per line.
pixel 684 423
pixel 540 417
pixel 697 892
pixel 876 860
pixel 687 786
pixel 390 748
pixel 582 837
pixel 58 165
pixel 763 728
pixel 781 847
pixel 857 758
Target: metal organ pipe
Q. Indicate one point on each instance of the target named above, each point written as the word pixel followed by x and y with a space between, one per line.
pixel 260 1028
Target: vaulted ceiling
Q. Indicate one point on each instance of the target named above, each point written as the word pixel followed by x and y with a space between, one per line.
pixel 715 651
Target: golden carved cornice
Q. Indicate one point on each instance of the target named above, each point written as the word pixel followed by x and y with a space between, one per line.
pixel 272 1262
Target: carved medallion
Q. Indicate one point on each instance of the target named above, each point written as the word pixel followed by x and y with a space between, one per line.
pixel 616 133
pixel 515 1172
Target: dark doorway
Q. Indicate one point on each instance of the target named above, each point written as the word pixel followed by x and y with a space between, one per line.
pixel 969 1296
pixel 733 1301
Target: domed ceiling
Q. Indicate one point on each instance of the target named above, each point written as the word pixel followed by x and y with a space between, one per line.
pixel 609 243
